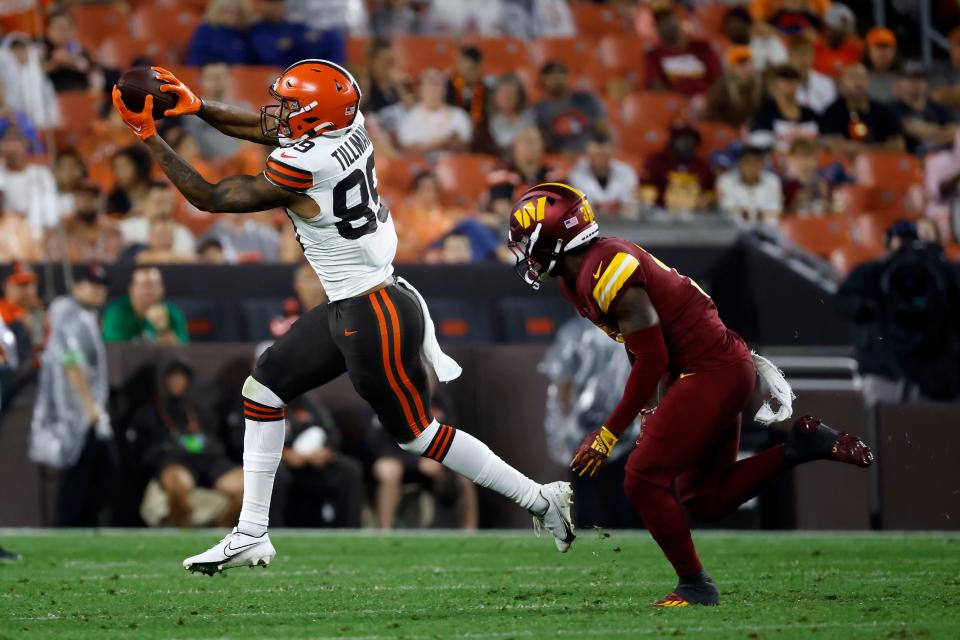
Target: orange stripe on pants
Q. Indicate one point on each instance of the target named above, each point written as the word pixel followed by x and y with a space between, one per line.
pixel 407 413
pixel 392 311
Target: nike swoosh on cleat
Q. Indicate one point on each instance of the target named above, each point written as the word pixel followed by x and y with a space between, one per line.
pixel 230 547
pixel 348 333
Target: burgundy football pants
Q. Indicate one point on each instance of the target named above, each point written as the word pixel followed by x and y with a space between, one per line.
pixel 691 443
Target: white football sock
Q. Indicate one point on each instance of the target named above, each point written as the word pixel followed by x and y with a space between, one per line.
pixel 262 448
pixel 461 452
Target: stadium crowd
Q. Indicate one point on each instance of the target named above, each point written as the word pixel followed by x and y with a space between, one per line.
pixel 793 116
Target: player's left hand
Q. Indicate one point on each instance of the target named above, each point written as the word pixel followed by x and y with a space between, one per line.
pixel 141 123
pixel 593 452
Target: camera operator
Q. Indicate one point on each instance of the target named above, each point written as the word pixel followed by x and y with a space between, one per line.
pixel 906 312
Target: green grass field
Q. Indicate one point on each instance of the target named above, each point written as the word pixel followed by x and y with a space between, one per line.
pixel 490 585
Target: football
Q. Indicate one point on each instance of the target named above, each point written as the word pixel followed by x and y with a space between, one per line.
pixel 135 84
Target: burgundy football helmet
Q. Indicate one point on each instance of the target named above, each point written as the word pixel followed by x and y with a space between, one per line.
pixel 547 220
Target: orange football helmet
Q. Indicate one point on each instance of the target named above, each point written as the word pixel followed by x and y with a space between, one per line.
pixel 314 96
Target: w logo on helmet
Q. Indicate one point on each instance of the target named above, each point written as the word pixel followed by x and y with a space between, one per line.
pixel 531 212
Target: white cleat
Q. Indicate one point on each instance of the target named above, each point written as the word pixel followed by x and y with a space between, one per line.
pixel 556 519
pixel 235 550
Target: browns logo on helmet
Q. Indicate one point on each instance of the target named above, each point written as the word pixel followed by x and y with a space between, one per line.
pixel 548 220
pixel 314 96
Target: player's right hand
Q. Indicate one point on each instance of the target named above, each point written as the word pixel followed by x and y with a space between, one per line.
pixel 593 452
pixel 187 101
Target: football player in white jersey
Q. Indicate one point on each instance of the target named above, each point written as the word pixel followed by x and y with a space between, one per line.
pixel 376 328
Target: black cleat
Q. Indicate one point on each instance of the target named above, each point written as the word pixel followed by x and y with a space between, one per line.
pixel 8 556
pixel 810 439
pixel 696 590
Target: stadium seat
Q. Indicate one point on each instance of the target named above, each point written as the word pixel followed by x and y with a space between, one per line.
pixel 461 320
pixel 96 23
pixel 257 313
pixel 119 52
pixel 531 319
pixel 709 18
pixel 848 256
pixel 598 20
pixel 818 235
pixel 417 53
pixel 251 84
pixel 398 173
pixel 953 251
pixel 716 136
pixel 856 198
pixel 871 225
pixel 887 169
pixel 654 108
pixel 501 55
pixel 77 110
pixel 206 319
pixel 578 54
pixel 190 76
pixel 530 77
pixel 172 27
pixel 357 51
pixel 463 176
pixel 639 138
pixel 624 53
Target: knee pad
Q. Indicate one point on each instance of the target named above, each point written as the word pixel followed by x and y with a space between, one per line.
pixel 421 443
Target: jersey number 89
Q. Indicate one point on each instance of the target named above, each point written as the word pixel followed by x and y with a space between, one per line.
pixel 366 209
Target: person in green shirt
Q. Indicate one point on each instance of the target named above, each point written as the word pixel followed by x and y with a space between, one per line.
pixel 144 314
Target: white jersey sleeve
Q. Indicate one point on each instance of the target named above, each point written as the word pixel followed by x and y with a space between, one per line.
pixel 351 243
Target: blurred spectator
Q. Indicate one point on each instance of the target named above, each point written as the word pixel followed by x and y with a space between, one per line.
pixel 26 85
pixel 466 88
pixel 278 42
pixel 817 91
pixel 159 248
pixel 432 124
pixel 9 363
pixel 839 47
pixel 507 115
pixel 566 118
pixel 71 428
pixel 881 60
pixel 736 96
pixel 131 173
pixel 792 17
pixel 683 180
pixel 805 191
pixel 927 125
pixel 749 191
pixel 469 241
pixel 216 83
pixel 525 169
pixel 781 117
pixel 393 467
pixel 15 119
pixel 766 49
pixel 538 19
pixel 68 66
pixel 397 18
pixel 143 314
pixel 456 248
pixel 855 122
pixel 244 239
pixel 422 218
pixel 160 203
pixel 17 240
pixel 941 179
pixel 454 18
pixel 678 63
pixel 946 83
pixel 30 188
pixel 88 234
pixel 210 251
pixel 22 310
pixel 176 442
pixel 68 170
pixel 222 35
pixel 310 295
pixel 905 312
pixel 610 183
pixel 346 16
pixel 382 86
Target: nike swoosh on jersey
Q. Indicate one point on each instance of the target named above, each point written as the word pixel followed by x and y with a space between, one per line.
pixel 283 154
pixel 348 333
pixel 596 274
pixel 230 547
pixel 685 375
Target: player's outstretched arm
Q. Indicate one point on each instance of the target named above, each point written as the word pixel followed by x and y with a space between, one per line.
pixel 233 121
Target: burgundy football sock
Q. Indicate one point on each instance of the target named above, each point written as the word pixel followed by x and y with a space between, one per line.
pixel 666 522
pixel 744 480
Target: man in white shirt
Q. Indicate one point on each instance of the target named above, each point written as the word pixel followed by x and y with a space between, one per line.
pixel 749 191
pixel 611 183
pixel 817 90
pixel 30 189
pixel 159 204
pixel 432 124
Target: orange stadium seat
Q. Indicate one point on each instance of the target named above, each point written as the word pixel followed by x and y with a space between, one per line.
pixel 530 77
pixel 848 256
pixel 639 138
pixel 622 51
pixel 77 110
pixel 888 169
pixel 190 76
pixel 856 198
pixel 173 27
pixel 953 251
pixel 654 108
pixel 716 136
pixel 463 176
pixel 577 53
pixel 871 225
pixel 357 51
pixel 417 53
pixel 710 17
pixel 501 55
pixel 817 235
pixel 120 51
pixel 96 23
pixel 399 172
pixel 251 83
pixel 597 20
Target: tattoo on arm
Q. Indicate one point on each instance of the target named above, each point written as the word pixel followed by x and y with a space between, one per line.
pixel 235 122
pixel 237 194
pixel 635 311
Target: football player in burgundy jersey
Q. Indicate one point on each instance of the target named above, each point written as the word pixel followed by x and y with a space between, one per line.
pixel 670 328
